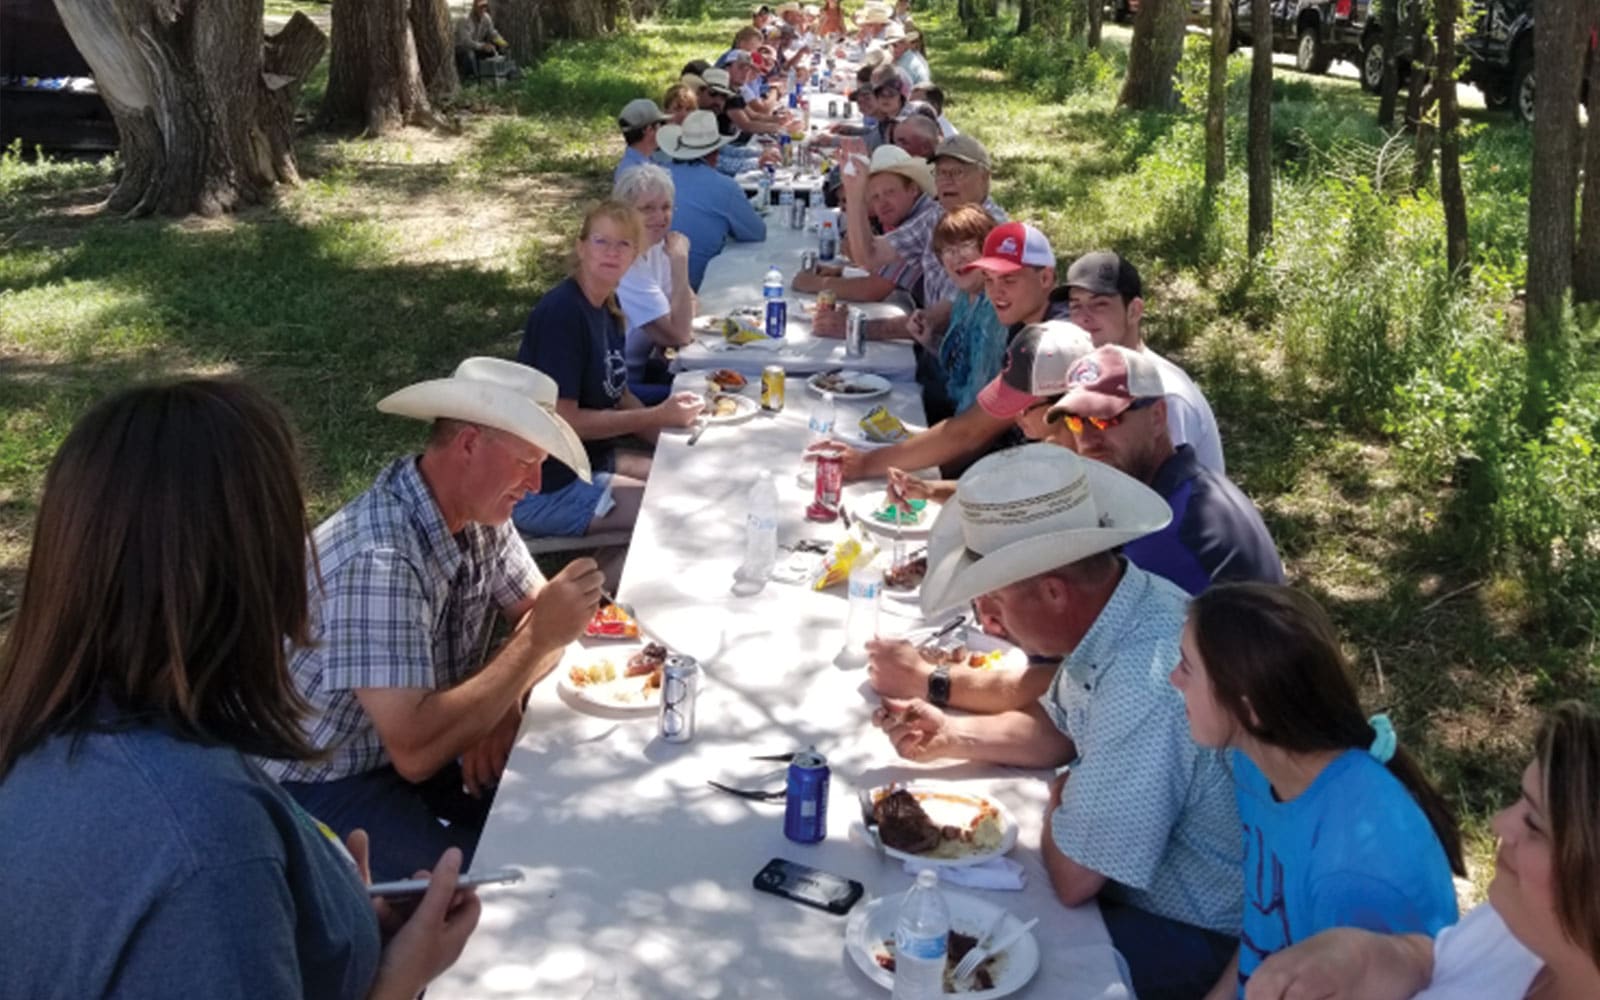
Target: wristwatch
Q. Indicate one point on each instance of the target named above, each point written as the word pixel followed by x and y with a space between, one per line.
pixel 939 685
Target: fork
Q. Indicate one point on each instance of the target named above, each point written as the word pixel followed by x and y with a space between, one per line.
pixel 977 956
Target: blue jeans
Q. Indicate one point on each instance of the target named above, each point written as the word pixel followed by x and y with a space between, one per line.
pixel 402 820
pixel 1169 959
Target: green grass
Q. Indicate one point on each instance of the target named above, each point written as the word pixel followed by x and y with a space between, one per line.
pixel 398 257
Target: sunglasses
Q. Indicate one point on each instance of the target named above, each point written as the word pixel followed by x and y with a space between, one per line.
pixel 1075 423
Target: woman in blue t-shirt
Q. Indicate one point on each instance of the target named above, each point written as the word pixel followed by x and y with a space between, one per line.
pixel 1341 828
pixel 145 854
pixel 576 336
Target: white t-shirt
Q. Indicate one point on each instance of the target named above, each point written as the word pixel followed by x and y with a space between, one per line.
pixel 643 295
pixel 1189 417
pixel 1478 959
pixel 946 129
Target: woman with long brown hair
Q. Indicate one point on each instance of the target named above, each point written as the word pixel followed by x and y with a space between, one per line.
pixel 1341 827
pixel 145 854
pixel 576 336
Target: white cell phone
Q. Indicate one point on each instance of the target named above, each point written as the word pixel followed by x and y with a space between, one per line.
pixel 471 880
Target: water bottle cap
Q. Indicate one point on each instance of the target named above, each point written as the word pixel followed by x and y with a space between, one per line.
pixel 927 878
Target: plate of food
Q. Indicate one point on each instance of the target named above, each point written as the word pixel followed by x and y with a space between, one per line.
pixel 617 678
pixel 966 647
pixel 729 408
pixel 727 380
pixel 875 510
pixel 869 940
pixel 851 385
pixel 611 622
pixel 941 824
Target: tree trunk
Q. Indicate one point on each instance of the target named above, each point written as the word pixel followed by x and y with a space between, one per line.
pixel 1389 90
pixel 436 48
pixel 1417 87
pixel 519 22
pixel 1586 267
pixel 1451 193
pixel 1558 52
pixel 1217 97
pixel 1025 15
pixel 1097 16
pixel 374 76
pixel 1259 150
pixel 204 108
pixel 1153 55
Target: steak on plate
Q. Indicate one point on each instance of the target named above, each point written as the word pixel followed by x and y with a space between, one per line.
pixel 904 825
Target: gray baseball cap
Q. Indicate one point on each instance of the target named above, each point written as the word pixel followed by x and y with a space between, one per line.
pixel 964 148
pixel 641 112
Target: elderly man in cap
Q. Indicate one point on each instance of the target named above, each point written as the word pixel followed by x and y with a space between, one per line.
pixel 403 700
pixel 1144 820
pixel 1107 299
pixel 639 119
pixel 710 207
pixel 897 191
pixel 961 172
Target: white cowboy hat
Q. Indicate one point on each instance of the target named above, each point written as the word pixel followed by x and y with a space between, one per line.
pixel 696 137
pixel 896 32
pixel 873 14
pixel 894 160
pixel 876 55
pixel 496 393
pixel 1021 512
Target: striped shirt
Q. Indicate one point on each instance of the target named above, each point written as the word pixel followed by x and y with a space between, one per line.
pixel 404 604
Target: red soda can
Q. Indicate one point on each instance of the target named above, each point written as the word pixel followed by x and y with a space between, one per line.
pixel 830 485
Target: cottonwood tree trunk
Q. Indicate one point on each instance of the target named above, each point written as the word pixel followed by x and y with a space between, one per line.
pixel 1097 16
pixel 1153 55
pixel 374 74
pixel 1452 195
pixel 1025 15
pixel 519 23
pixel 1389 35
pixel 1586 266
pixel 1417 92
pixel 436 48
pixel 1259 140
pixel 204 108
pixel 1558 52
pixel 1217 96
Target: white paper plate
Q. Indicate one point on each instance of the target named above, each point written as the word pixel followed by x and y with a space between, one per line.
pixel 871 925
pixel 747 408
pixel 976 641
pixel 944 807
pixel 863 505
pixel 857 438
pixel 625 694
pixel 865 384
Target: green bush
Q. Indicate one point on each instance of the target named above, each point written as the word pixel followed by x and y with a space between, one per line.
pixel 1056 68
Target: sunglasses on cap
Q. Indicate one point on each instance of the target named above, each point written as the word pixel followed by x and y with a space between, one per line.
pixel 1075 423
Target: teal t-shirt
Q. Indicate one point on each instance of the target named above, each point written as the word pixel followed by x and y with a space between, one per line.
pixel 1353 850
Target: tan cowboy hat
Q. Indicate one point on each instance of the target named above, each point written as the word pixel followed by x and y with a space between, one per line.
pixel 1021 512
pixel 897 32
pixel 496 393
pixel 876 55
pixel 696 137
pixel 894 160
pixel 873 14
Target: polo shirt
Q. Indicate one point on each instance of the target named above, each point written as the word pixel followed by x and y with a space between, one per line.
pixel 645 296
pixel 1144 806
pixel 936 283
pixel 1216 534
pixel 709 208
pixel 401 603
pixel 630 158
pixel 915 65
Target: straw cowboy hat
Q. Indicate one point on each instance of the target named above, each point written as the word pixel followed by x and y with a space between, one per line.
pixel 496 393
pixel 696 137
pixel 894 160
pixel 876 55
pixel 897 32
pixel 1021 512
pixel 873 13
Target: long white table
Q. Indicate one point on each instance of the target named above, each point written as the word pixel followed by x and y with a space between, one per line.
pixel 638 873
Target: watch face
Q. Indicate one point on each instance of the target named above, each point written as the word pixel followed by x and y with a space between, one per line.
pixel 939 686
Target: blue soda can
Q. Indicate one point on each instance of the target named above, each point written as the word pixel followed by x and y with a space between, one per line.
pixel 805 813
pixel 777 318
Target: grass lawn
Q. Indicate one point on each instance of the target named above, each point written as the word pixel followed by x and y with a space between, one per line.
pixel 399 257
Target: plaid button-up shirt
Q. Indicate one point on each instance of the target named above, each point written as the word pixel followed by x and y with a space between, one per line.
pixel 402 603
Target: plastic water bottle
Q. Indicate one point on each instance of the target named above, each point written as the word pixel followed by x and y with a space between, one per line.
pixel 760 533
pixel 866 588
pixel 920 941
pixel 777 308
pixel 821 420
pixel 827 242
pixel 764 186
pixel 794 95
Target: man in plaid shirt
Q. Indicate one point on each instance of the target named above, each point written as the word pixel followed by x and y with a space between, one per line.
pixel 415 722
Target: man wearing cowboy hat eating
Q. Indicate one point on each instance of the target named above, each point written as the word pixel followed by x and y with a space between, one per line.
pixel 710 207
pixel 1144 821
pixel 416 725
pixel 897 192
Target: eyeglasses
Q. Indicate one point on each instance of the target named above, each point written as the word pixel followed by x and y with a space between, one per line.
pixel 889 91
pixel 1075 423
pixel 954 172
pixel 604 245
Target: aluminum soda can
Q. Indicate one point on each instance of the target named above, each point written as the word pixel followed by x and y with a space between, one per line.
pixel 830 486
pixel 797 214
pixel 680 684
pixel 808 260
pixel 805 807
pixel 833 108
pixel 772 388
pixel 855 333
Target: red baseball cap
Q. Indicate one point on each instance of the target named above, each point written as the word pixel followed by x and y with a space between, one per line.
pixel 1013 246
pixel 1036 367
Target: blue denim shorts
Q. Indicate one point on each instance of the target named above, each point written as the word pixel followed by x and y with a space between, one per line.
pixel 566 513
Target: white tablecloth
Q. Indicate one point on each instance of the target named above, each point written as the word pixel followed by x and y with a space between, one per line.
pixel 733 281
pixel 638 873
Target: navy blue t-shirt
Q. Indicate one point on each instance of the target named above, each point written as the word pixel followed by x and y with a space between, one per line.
pixel 580 345
pixel 1216 534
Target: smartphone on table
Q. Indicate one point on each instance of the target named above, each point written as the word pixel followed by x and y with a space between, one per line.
pixel 808 885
